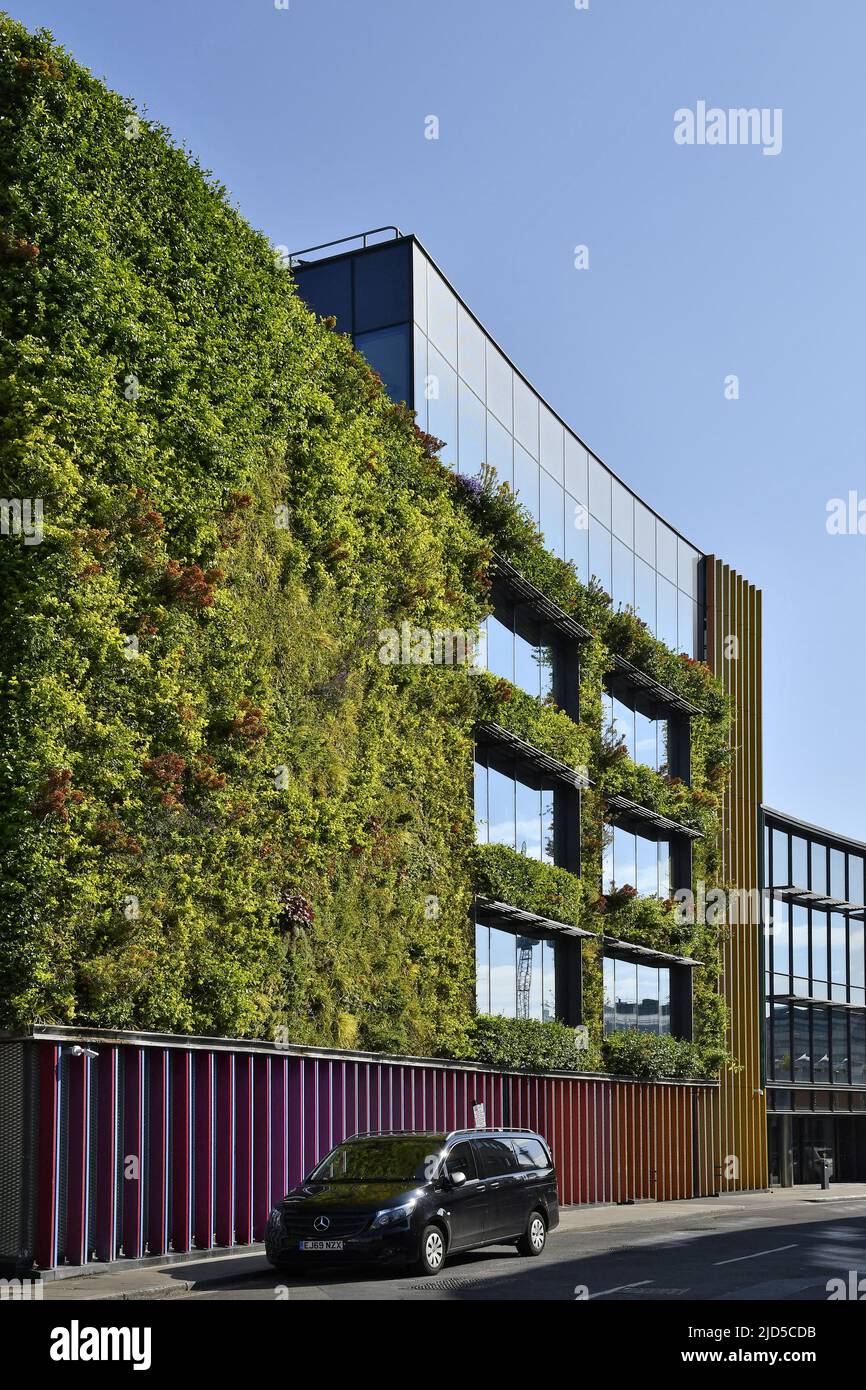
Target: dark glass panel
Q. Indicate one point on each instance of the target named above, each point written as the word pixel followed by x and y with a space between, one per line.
pixel 387 351
pixel 383 288
pixel 327 289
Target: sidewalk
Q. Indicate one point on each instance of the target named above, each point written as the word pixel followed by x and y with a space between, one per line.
pixel 196 1273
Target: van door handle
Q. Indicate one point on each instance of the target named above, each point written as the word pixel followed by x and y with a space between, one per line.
pixel 482 1187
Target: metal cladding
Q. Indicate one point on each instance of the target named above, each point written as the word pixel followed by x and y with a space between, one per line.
pixel 159 1143
pixel 734 654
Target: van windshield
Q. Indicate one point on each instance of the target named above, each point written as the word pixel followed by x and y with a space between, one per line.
pixel 406 1158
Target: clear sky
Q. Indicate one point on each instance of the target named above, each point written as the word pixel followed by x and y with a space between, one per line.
pixel 556 128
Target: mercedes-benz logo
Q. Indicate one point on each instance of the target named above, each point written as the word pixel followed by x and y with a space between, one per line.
pixel 321 1223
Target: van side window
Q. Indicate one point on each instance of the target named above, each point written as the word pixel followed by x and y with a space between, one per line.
pixel 495 1157
pixel 462 1160
pixel 530 1153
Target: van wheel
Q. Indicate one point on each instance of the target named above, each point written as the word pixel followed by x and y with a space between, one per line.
pixel 432 1250
pixel 534 1238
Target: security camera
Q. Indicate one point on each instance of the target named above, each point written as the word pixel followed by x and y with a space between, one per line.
pixel 79 1051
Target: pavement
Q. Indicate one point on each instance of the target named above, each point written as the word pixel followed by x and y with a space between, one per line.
pixel 781 1244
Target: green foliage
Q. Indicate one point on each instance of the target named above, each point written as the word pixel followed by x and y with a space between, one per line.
pixel 158 872
pixel 511 531
pixel 525 1044
pixel 508 877
pixel 535 721
pixel 653 1056
pixel 223 813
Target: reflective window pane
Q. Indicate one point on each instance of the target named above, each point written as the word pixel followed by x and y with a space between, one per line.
pixel 526 481
pixel 482 969
pixel 480 791
pixel 548 975
pixel 382 283
pixel 470 352
pixel 688 561
pixel 419 288
pixel 499 391
pixel 622 513
pixel 551 441
pixel 626 994
pixel 503 979
pixel 648 998
pixel 576 469
pixel 599 491
pixel 664 850
pixel 420 366
pixel 622 576
pixel 551 514
pixel 442 404
pixel 600 554
pixel 500 450
pixel 525 416
pixel 666 596
pixel 647 867
pixel 472 431
pixel 645 533
pixel 819 868
pixel 577 537
pixel 387 350
pixel 441 316
pixel 645 593
pixel 666 551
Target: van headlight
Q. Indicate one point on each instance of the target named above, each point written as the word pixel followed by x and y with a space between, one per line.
pixel 394 1216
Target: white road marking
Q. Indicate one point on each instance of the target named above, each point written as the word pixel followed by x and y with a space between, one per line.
pixel 757 1255
pixel 620 1287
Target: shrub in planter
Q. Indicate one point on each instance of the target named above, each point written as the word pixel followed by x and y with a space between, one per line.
pixel 651 1056
pixel 526 1044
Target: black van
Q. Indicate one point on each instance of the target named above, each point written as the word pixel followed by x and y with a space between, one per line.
pixel 416 1197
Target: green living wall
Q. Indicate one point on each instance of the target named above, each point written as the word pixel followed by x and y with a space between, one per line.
pixel 222 811
pixel 243 825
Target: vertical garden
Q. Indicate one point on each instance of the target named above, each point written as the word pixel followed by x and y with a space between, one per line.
pixel 221 811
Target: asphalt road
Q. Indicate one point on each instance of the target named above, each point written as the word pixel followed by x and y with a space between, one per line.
pixel 773 1249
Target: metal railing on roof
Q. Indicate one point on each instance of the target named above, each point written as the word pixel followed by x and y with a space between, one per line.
pixel 342 241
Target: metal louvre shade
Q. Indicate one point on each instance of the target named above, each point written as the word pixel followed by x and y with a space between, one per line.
pixel 634 811
pixel 542 606
pixel 518 915
pixel 661 694
pixel 488 732
pixel 624 947
pixel 806 897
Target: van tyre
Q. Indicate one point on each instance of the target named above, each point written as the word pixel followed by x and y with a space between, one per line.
pixel 534 1238
pixel 432 1250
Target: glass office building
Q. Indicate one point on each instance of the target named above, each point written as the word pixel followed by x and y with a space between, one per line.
pixel 814 921
pixel 432 353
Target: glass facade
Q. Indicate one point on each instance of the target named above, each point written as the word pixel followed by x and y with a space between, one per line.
pixel 432 353
pixel 510 811
pixel 516 651
pixel 515 975
pixel 814 956
pixel 645 738
pixel 636 996
pixel 467 394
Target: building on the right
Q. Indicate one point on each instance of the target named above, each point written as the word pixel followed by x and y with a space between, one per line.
pixel 815 1050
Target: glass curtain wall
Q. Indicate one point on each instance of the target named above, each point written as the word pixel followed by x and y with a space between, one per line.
pixel 467 394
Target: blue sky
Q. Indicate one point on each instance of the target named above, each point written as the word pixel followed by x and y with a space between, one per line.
pixel 556 129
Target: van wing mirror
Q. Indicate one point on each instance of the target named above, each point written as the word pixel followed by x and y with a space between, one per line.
pixel 457 1179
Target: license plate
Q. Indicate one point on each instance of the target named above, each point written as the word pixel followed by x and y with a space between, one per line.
pixel 321 1245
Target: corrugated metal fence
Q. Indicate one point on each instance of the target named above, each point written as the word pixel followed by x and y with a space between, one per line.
pixel 161 1143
